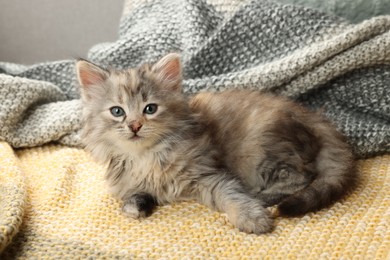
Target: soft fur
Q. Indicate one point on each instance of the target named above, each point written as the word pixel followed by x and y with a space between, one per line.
pixel 236 151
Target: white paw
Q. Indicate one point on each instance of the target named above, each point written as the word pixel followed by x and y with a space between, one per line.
pixel 255 219
pixel 131 210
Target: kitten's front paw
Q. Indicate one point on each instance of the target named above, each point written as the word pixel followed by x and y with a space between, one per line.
pixel 254 219
pixel 139 205
pixel 131 210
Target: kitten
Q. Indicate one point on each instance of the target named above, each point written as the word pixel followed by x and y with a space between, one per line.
pixel 236 151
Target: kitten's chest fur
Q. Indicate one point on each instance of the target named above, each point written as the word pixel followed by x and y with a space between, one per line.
pixel 157 173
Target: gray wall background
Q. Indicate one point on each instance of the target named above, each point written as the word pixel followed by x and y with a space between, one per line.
pixel 45 30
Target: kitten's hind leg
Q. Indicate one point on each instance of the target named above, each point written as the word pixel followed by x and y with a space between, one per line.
pixel 139 205
pixel 280 180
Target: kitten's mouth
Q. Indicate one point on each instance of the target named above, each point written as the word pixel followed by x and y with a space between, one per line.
pixel 135 138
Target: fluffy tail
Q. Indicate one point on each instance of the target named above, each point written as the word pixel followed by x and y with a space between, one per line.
pixel 336 176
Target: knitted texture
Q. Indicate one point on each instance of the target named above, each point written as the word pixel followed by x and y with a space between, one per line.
pixel 69 215
pixel 353 10
pixel 12 195
pixel 320 60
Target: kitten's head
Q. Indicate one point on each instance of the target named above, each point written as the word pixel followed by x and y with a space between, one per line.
pixel 131 110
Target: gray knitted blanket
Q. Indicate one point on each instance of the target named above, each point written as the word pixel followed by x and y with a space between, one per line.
pixel 319 60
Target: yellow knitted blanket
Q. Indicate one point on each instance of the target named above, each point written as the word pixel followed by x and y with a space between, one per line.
pixel 54 204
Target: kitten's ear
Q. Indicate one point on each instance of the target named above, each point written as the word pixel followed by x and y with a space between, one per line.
pixel 168 69
pixel 90 74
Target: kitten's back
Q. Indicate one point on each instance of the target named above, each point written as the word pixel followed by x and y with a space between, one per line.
pixel 252 129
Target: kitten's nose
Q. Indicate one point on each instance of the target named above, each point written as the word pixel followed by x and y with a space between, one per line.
pixel 135 126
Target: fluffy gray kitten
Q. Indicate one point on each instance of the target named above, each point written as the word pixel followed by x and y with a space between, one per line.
pixel 236 151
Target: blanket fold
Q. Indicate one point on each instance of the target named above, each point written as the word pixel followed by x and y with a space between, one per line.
pixel 13 195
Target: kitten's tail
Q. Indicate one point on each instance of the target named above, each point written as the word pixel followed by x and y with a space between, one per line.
pixel 336 176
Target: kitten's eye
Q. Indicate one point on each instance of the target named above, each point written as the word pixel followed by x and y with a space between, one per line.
pixel 117 111
pixel 150 109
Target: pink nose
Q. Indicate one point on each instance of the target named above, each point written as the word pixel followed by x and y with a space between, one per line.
pixel 135 126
